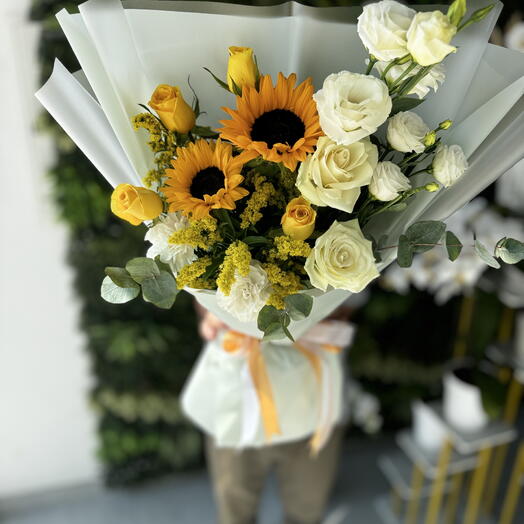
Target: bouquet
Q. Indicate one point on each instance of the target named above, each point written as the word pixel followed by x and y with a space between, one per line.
pixel 289 181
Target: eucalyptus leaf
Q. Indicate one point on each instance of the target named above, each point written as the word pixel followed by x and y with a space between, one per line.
pixel 425 234
pixel 161 290
pixel 299 306
pixel 485 255
pixel 405 104
pixel 120 277
pixel 115 294
pixel 274 331
pixel 405 252
pixel 510 251
pixel 141 268
pixel 266 316
pixel 453 246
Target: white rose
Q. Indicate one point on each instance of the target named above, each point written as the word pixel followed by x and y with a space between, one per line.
pixel 429 36
pixel 175 255
pixel 449 164
pixel 342 258
pixel 382 27
pixel 406 132
pixel 431 80
pixel 352 106
pixel 334 174
pixel 388 181
pixel 248 294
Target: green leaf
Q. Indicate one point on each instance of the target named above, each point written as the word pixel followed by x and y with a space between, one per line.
pixel 485 255
pixel 453 246
pixel 425 234
pixel 221 83
pixel 161 290
pixel 115 294
pixel 141 268
pixel 255 240
pixel 288 333
pixel 268 315
pixel 299 306
pixel 511 251
pixel 404 103
pixel 456 11
pixel 204 132
pixel 398 207
pixel 405 252
pixel 120 277
pixel 274 331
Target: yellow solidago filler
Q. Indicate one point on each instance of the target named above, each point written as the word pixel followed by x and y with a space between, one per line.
pixel 148 122
pixel 260 198
pixel 190 275
pixel 238 259
pixel 286 247
pixel 152 179
pixel 201 233
pixel 283 283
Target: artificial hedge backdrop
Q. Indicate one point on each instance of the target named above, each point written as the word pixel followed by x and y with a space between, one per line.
pixel 141 355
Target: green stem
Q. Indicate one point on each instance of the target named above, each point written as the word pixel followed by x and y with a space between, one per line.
pixel 372 62
pixel 396 83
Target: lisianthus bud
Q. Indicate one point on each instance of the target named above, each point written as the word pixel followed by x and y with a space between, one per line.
pixel 135 204
pixel 432 187
pixel 241 70
pixel 430 138
pixel 446 124
pixel 298 221
pixel 172 109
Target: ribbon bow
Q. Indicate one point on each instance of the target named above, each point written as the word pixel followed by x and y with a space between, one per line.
pixel 315 354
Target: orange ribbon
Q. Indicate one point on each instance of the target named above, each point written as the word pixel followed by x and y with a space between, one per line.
pixel 234 341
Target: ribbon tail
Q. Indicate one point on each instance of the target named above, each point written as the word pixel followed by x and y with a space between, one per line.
pixel 264 391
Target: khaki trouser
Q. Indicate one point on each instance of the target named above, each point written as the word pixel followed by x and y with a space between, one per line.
pixel 304 481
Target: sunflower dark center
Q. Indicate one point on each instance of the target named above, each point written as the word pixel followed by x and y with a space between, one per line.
pixel 278 126
pixel 207 182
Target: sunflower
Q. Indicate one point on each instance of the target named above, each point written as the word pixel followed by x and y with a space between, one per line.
pixel 279 123
pixel 205 176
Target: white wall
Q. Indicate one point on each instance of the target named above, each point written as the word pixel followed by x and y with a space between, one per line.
pixel 47 432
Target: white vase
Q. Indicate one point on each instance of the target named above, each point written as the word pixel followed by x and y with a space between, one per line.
pixel 428 431
pixel 463 404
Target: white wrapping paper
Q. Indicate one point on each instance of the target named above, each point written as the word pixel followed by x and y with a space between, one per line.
pixel 220 398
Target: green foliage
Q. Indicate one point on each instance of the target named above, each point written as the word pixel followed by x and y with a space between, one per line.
pixel 140 355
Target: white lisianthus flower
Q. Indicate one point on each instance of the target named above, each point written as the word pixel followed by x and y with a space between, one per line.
pixel 449 164
pixel 382 27
pixel 175 255
pixel 406 132
pixel 342 258
pixel 352 106
pixel 334 174
pixel 248 294
pixel 388 182
pixel 429 36
pixel 431 80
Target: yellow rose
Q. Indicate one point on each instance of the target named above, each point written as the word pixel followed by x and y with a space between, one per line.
pixel 298 221
pixel 135 204
pixel 172 109
pixel 241 68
